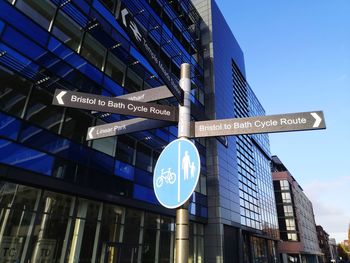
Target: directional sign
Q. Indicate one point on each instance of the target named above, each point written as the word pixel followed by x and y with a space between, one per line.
pixel 114 105
pixel 139 35
pixel 147 95
pixel 123 127
pixel 176 173
pixel 261 124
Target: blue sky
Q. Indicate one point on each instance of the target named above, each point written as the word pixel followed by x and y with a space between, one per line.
pixel 297 56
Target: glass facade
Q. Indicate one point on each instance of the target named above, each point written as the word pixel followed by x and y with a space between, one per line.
pixel 45 226
pixel 65 199
pixel 240 193
pixel 101 206
pixel 257 199
pixel 78 48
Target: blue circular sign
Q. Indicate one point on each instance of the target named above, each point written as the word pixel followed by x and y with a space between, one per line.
pixel 176 173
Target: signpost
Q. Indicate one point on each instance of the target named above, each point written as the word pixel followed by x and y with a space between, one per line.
pixel 140 37
pixel 261 124
pixel 87 101
pixel 177 170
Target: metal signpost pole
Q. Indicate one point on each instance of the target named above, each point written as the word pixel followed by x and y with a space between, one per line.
pixel 182 221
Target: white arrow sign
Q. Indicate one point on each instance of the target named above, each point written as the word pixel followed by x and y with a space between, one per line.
pixel 260 124
pixel 59 97
pixel 90 135
pixel 123 127
pixel 124 12
pixel 317 118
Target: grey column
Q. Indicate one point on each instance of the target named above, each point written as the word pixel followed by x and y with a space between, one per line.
pixel 182 221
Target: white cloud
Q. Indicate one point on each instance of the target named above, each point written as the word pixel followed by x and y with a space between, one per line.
pixel 330 199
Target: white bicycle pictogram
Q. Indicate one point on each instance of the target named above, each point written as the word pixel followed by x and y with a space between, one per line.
pixel 166 176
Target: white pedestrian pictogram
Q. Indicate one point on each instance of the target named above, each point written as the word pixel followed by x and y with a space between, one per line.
pixel 166 176
pixel 193 169
pixel 186 165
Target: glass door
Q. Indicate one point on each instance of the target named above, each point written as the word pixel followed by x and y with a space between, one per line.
pixel 121 253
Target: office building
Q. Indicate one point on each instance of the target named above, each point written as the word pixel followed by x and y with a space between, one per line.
pixel 323 241
pixel 240 195
pixel 333 249
pixel 66 199
pixel 295 218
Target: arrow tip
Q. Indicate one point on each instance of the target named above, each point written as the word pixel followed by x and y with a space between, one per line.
pixel 318 119
pixel 59 97
pixel 90 136
pixel 124 12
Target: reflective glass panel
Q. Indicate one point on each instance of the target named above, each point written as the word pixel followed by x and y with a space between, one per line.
pixel 132 226
pixel 143 157
pixel 67 30
pixel 93 51
pixel 42 113
pixel 125 149
pixel 40 11
pixel 115 68
pixel 76 124
pixel 13 93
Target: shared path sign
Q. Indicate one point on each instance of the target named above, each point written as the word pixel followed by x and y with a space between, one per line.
pixel 114 105
pixel 176 173
pixel 261 124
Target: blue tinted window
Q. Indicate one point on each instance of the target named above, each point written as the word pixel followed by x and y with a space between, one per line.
pixel 75 60
pixel 112 87
pixel 41 139
pixel 144 194
pixel 40 11
pixel 203 211
pixel 13 93
pixel 162 134
pixel 75 152
pixel 83 5
pixel 2 25
pixel 41 112
pixel 23 44
pixel 15 18
pixel 142 60
pixel 102 162
pixel 19 62
pixel 76 124
pixel 9 126
pixel 124 170
pixel 92 72
pixel 103 11
pixel 61 69
pixel 192 208
pixel 115 68
pixel 74 12
pixel 67 30
pixel 20 156
pixel 58 48
pixel 144 178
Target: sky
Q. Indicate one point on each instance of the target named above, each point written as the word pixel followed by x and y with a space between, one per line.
pixel 297 58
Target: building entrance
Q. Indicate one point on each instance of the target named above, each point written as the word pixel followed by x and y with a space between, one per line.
pixel 121 253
